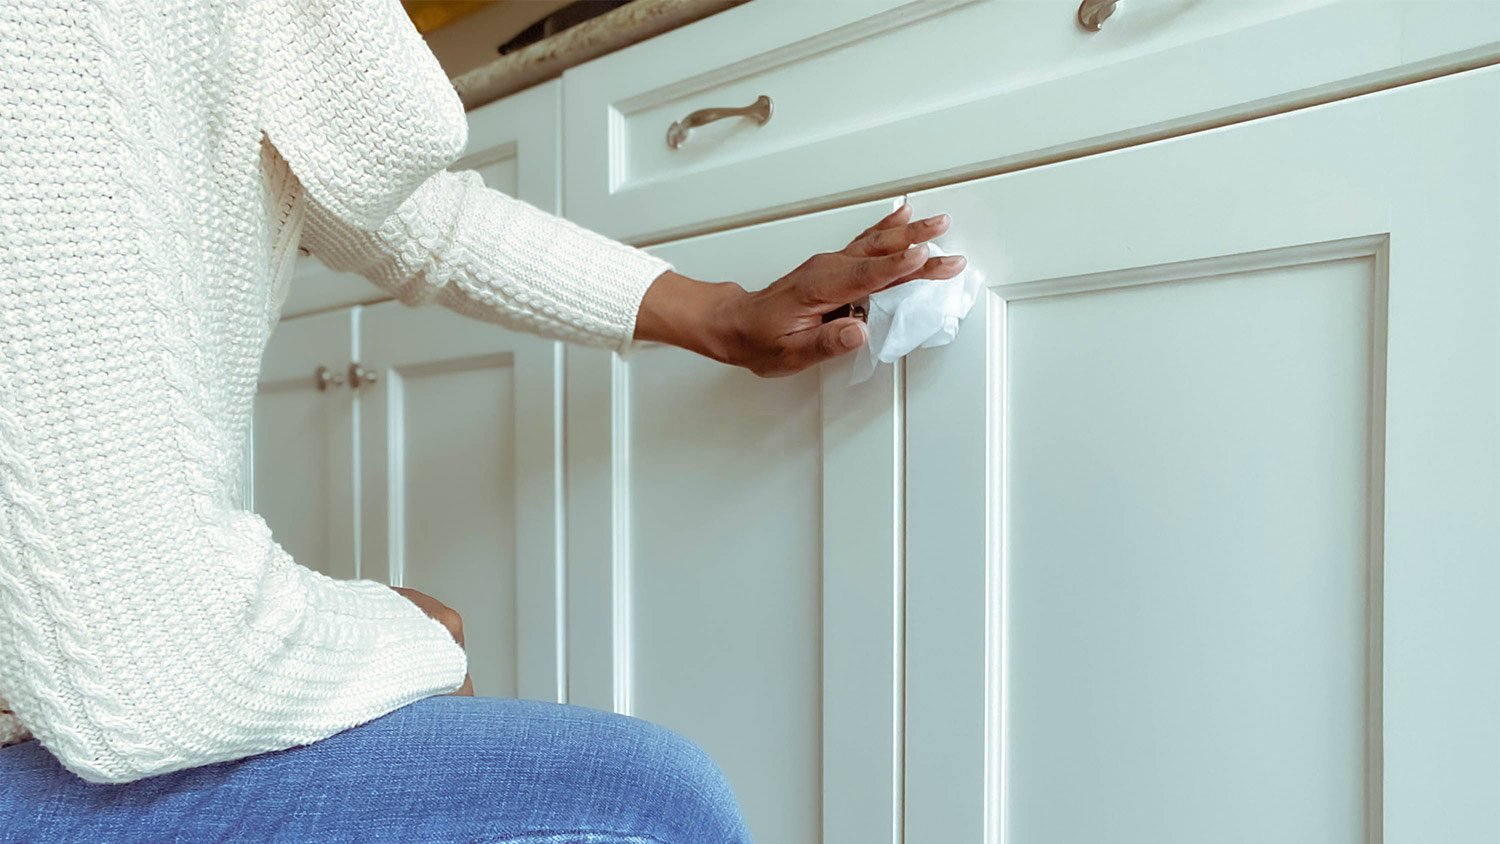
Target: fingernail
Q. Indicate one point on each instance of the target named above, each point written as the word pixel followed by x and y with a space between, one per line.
pixel 934 222
pixel 950 260
pixel 851 336
pixel 916 249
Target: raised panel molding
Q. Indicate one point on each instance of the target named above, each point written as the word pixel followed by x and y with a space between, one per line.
pixel 496 515
pixel 302 449
pixel 860 607
pixel 598 524
pixel 1328 300
pixel 864 604
pixel 1260 347
pixel 737 559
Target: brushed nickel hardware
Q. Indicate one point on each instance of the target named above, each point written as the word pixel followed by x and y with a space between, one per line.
pixel 325 378
pixel 759 111
pixel 359 376
pixel 1093 13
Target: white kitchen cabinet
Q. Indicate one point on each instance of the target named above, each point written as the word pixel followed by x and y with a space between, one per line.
pixel 735 561
pixel 461 463
pixel 1203 506
pixel 1194 533
pixel 442 473
pixel 303 468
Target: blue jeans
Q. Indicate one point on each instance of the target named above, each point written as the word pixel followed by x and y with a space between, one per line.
pixel 466 770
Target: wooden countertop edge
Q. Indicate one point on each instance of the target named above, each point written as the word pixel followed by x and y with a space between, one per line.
pixel 549 57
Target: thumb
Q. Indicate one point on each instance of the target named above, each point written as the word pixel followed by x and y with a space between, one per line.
pixel 830 340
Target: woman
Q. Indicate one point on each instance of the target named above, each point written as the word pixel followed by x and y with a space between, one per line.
pixel 181 675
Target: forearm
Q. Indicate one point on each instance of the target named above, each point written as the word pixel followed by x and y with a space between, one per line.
pixel 471 249
pixel 690 314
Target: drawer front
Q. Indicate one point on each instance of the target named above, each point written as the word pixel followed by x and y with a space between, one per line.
pixel 871 97
pixel 514 145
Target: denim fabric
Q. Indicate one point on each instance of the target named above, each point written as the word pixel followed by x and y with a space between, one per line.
pixel 465 770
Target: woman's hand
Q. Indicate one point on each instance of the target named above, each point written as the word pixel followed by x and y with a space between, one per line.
pixel 780 330
pixel 450 619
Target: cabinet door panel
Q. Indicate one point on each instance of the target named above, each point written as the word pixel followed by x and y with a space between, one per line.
pixel 460 463
pixel 735 571
pixel 1205 500
pixel 1187 553
pixel 302 452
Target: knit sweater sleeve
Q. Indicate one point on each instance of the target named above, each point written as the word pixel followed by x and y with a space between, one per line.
pixel 357 105
pixel 460 244
pixel 355 101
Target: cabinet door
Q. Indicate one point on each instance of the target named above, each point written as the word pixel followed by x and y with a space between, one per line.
pixel 1204 513
pixel 301 478
pixel 735 559
pixel 461 467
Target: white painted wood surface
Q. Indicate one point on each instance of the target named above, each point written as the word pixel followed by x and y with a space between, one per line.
pixel 461 463
pixel 302 472
pixel 1204 514
pixel 871 97
pixel 734 558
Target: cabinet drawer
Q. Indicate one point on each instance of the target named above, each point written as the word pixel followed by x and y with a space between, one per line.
pixel 871 97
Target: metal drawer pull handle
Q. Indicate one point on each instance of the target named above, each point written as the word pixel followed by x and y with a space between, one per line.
pixel 1093 13
pixel 759 111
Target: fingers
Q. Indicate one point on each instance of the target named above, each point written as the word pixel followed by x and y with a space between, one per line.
pixel 936 269
pixel 844 279
pixel 896 238
pixel 889 221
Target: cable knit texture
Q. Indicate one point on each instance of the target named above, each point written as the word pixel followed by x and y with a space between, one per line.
pixel 158 164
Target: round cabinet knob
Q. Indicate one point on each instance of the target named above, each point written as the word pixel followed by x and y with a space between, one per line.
pixel 1093 13
pixel 360 377
pixel 325 378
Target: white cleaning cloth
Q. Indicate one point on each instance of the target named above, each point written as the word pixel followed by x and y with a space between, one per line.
pixel 922 313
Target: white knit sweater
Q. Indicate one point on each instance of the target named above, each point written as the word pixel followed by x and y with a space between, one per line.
pixel 158 165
